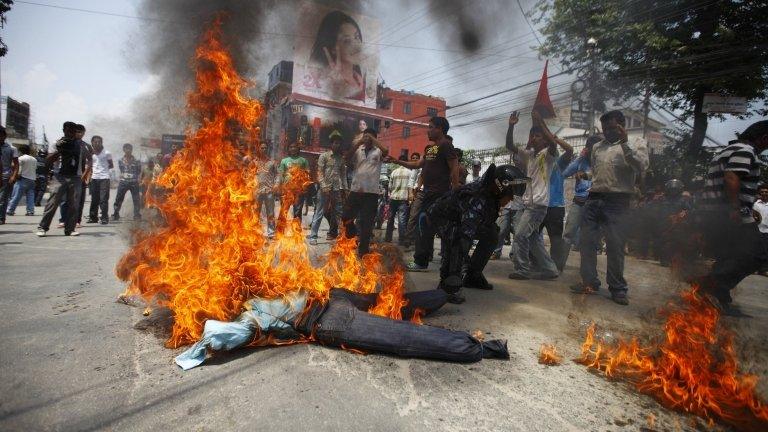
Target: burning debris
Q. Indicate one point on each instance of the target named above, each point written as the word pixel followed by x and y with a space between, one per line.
pixel 693 369
pixel 549 356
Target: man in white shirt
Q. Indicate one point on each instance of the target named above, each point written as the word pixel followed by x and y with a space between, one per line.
pixel 25 186
pixel 399 192
pixel 538 158
pixel 761 208
pixel 366 156
pixel 102 166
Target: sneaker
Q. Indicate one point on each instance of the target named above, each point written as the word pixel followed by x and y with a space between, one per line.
pixel 580 288
pixel 413 267
pixel 518 276
pixel 40 232
pixel 60 225
pixel 29 214
pixel 330 237
pixel 620 298
pixel 74 233
pixel 313 241
pixel 90 220
pixel 103 222
pixel 116 217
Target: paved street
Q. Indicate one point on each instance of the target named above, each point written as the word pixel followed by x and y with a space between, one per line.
pixel 75 359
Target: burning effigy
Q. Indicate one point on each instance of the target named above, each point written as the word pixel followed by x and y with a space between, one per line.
pixel 210 262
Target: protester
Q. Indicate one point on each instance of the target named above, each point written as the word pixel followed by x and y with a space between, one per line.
pixel 399 188
pixel 9 165
pixel 65 206
pixel 99 185
pixel 672 210
pixel 463 173
pixel 332 179
pixel 581 171
pixel 25 185
pixel 366 156
pixel 761 208
pixel 130 173
pixel 475 175
pixel 616 167
pixel 43 173
pixel 147 175
pixel 727 216
pixel 555 218
pixel 76 164
pixel 292 159
pixel 414 201
pixel 465 215
pixel 531 260
pixel 266 176
pixel 439 174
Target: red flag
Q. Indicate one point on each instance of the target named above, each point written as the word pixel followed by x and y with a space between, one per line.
pixel 543 104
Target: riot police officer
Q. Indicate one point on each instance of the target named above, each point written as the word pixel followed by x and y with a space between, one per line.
pixel 467 214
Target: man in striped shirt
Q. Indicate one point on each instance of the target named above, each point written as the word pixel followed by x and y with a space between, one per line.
pixel 726 212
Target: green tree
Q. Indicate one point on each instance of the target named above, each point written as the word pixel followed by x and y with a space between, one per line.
pixel 676 50
pixel 5 6
pixel 679 160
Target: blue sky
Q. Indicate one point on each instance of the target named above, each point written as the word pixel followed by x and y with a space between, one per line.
pixel 73 65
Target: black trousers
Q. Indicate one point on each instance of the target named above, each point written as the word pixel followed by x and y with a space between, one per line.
pixel 124 187
pixel 41 184
pixel 343 323
pixel 361 206
pixel 425 234
pixel 455 260
pixel 553 223
pixel 739 251
pixel 69 189
pixel 99 199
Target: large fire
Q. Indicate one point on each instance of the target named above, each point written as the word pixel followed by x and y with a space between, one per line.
pixel 693 369
pixel 210 254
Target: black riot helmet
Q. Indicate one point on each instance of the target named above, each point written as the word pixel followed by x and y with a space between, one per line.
pixel 673 188
pixel 507 180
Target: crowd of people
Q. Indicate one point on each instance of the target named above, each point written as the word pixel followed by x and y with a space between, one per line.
pixel 431 194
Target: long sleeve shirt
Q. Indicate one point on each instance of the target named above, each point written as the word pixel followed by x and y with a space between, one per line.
pixel 556 182
pixel 331 172
pixel 615 172
pixel 580 164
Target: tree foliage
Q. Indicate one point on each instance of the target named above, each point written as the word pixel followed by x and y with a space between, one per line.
pixel 5 6
pixel 677 50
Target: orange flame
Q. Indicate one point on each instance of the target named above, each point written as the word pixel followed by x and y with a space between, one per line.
pixel 694 369
pixel 210 254
pixel 548 355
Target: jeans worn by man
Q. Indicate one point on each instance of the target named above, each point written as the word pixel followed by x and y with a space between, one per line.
pixel 329 205
pixel 572 227
pixel 506 225
pixel 23 188
pixel 99 189
pixel 529 244
pixel 425 234
pixel 69 189
pixel 266 202
pixel 604 213
pixel 398 209
pixel 553 223
pixel 361 206
pixel 122 188
pixel 6 190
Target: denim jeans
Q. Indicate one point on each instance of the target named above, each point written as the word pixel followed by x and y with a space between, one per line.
pixel 606 213
pixel 343 324
pixel 425 234
pixel 571 231
pixel 23 188
pixel 124 187
pixel 99 199
pixel 361 206
pixel 330 206
pixel 528 243
pixel 5 196
pixel 399 209
pixel 266 202
pixel 506 224
pixel 69 189
pixel 553 223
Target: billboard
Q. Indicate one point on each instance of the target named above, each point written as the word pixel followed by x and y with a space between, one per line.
pixel 167 141
pixel 332 58
pixel 17 119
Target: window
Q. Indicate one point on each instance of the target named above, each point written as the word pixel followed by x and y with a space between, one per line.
pixel 406 131
pixel 406 107
pixel 431 112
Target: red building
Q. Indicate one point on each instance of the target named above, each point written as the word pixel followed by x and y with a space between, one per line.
pixel 401 118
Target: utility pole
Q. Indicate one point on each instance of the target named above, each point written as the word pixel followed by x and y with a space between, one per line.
pixel 592 54
pixel 646 111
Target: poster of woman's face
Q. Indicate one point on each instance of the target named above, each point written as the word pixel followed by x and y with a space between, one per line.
pixel 336 64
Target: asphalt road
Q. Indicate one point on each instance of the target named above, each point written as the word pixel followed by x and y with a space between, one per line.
pixel 73 358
